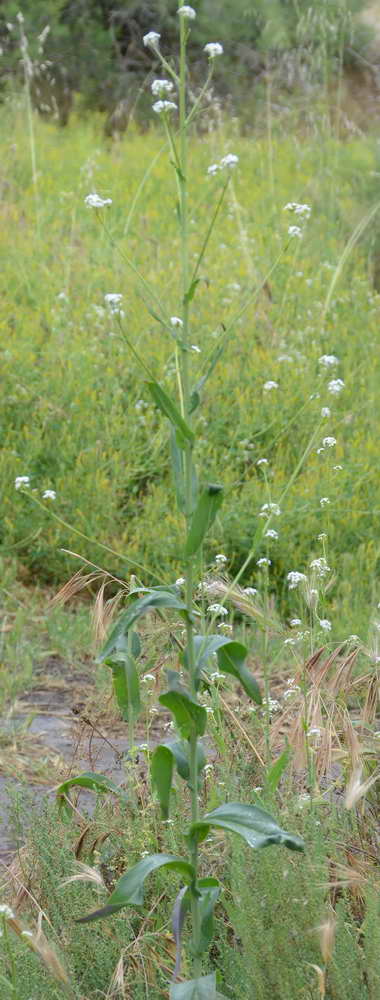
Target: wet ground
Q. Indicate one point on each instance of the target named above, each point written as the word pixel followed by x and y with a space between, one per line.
pixel 55 730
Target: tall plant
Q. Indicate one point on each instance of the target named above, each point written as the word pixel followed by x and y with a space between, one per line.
pixel 199 506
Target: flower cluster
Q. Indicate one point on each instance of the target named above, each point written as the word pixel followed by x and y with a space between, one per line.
pixel 95 201
pixel 213 49
pixel 335 386
pixel 161 88
pixel 294 578
pixel 270 508
pixel 161 107
pixel 226 163
pixel 187 11
pixel 302 212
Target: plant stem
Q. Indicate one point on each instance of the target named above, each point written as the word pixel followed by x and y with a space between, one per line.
pixel 184 378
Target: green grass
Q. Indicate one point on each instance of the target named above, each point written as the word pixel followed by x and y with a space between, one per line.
pixel 70 413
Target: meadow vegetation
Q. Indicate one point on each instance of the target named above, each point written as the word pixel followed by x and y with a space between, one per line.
pixel 286 314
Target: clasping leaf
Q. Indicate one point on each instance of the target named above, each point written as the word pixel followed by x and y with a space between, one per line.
pixel 129 890
pixel 205 513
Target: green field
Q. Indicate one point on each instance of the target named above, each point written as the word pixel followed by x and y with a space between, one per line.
pixel 297 383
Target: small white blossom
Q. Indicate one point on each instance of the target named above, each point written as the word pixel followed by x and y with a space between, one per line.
pixel 320 567
pixel 231 160
pixel 225 628
pixel 112 300
pixel 324 501
pixel 62 297
pixel 161 88
pixel 314 731
pixel 95 201
pixel 220 559
pixel 27 934
pixel 294 622
pixel 270 508
pixel 335 386
pixel 328 360
pixel 217 609
pixel 195 348
pixel 271 533
pixel 325 411
pixel 338 468
pixel 176 321
pixel 270 385
pixel 322 537
pixel 49 495
pixel 213 169
pixel 180 582
pixel 151 40
pixel 213 49
pixel 262 461
pixel 160 107
pixel 6 911
pixel 21 481
pixel 272 703
pixel 264 562
pixel 329 442
pixel 294 578
pixel 303 210
pixel 295 231
pixel 145 680
pixel 325 624
pixel 187 11
pixel 250 591
pixel 284 357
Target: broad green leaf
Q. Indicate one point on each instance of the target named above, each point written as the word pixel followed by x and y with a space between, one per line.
pixel 161 769
pixel 257 827
pixel 275 773
pixel 190 716
pixel 156 597
pixel 126 684
pixel 95 782
pixel 180 755
pixel 205 512
pixel 203 988
pixel 129 890
pixel 168 407
pixel 179 476
pixel 209 889
pixel 231 660
pixel 178 919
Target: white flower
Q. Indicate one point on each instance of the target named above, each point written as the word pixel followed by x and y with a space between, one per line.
pixel 328 360
pixel 220 559
pixel 213 49
pixel 294 578
pixel 152 40
pixel 113 300
pixel 6 911
pixel 180 582
pixel 21 481
pixel 270 385
pixel 284 357
pixel 271 533
pixel 161 106
pixel 213 169
pixel 320 566
pixel 264 562
pixel 322 537
pixel 262 461
pixel 325 411
pixel 337 468
pixel 62 297
pixel 270 508
pixel 217 609
pixel 314 731
pixel 329 442
pixel 324 501
pixel 160 88
pixel 196 349
pixel 250 591
pixel 187 11
pixel 95 201
pixel 335 386
pixel 229 161
pixel 295 231
pixel 224 627
pixel 176 321
pixel 145 680
pixel 49 495
pixel 295 621
pixel 325 624
pixel 303 210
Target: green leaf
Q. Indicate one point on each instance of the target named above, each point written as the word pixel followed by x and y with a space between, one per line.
pixel 95 782
pixel 129 890
pixel 179 752
pixel 257 827
pixel 190 716
pixel 156 597
pixel 126 685
pixel 231 660
pixel 209 889
pixel 195 397
pixel 203 988
pixel 168 407
pixel 179 476
pixel 275 773
pixel 189 295
pixel 161 770
pixel 205 512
